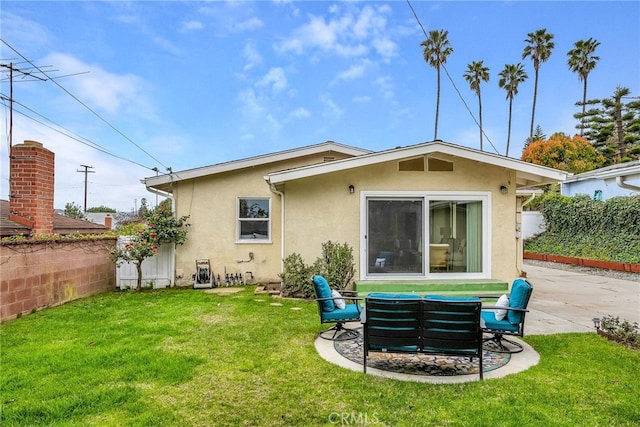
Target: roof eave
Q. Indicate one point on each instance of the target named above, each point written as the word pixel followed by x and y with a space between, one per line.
pixel 163 181
pixel 530 174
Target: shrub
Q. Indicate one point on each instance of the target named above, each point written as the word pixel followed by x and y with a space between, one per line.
pixel 336 265
pixel 579 226
pixel 296 277
pixel 625 331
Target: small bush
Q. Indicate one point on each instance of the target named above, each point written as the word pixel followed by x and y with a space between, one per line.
pixel 625 331
pixel 296 277
pixel 336 265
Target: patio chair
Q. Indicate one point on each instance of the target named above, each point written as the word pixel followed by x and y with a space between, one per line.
pixel 333 308
pixel 512 324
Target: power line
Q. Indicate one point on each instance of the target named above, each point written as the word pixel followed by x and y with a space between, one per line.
pixel 83 104
pixel 452 82
pixel 69 135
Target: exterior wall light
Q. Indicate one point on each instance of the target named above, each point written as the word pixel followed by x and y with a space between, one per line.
pixel 504 189
pixel 352 189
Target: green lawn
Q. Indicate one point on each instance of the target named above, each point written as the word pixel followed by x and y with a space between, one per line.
pixel 188 358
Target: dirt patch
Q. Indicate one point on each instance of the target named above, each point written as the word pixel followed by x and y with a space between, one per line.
pixel 224 291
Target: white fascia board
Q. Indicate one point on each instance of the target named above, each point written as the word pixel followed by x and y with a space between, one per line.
pixel 252 162
pixel 629 172
pixel 417 150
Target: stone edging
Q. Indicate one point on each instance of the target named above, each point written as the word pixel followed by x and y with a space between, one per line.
pixel 610 265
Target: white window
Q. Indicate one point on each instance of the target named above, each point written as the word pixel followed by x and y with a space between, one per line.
pixel 433 234
pixel 254 219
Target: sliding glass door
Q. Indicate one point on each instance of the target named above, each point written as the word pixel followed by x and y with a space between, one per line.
pixel 426 234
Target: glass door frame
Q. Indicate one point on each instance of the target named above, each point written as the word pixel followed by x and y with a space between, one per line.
pixel 426 197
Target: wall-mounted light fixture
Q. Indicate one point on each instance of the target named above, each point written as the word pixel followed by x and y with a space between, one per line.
pixel 504 189
pixel 352 189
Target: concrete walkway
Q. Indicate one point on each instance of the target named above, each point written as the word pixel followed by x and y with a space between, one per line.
pixel 562 301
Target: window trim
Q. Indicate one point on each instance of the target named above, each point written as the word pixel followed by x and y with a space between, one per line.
pixel 426 197
pixel 240 240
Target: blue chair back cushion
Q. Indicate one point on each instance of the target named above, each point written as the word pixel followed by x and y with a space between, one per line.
pixel 321 286
pixel 381 295
pixel 518 298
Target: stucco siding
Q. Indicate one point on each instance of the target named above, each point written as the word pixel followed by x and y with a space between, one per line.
pixel 321 208
pixel 211 203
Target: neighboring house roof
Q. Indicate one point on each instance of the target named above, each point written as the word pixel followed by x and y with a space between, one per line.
pixel 527 174
pixel 61 224
pixel 613 171
pixel 329 146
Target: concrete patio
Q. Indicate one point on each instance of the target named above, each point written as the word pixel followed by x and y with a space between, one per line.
pixel 562 302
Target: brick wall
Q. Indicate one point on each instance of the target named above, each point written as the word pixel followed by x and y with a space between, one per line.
pixel 38 274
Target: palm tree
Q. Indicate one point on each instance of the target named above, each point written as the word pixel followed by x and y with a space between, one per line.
pixel 436 51
pixel 539 48
pixel 581 61
pixel 476 73
pixel 510 78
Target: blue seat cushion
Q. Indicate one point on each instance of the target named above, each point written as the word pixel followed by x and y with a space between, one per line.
pixel 490 322
pixel 323 291
pixel 518 298
pixel 349 312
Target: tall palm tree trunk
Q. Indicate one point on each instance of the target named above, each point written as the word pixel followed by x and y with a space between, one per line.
pixel 584 102
pixel 435 135
pixel 480 116
pixel 533 109
pixel 509 128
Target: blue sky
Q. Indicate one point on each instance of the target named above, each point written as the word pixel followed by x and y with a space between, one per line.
pixel 185 84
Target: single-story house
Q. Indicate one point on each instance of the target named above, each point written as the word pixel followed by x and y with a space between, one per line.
pixel 622 179
pixel 434 210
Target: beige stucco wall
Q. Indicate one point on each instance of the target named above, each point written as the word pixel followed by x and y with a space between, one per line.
pixel 321 208
pixel 211 204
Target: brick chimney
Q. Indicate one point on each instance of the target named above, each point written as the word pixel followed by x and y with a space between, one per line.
pixel 31 178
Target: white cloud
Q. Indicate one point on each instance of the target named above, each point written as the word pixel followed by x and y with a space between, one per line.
pixel 247 25
pixel 275 79
pixel 191 26
pixel 101 90
pixel 349 34
pixel 299 113
pixel 250 105
pixel 353 72
pixel 331 109
pixel 362 99
pixel 386 87
pixel 252 56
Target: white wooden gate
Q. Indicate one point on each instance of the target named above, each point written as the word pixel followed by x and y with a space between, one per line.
pixel 157 271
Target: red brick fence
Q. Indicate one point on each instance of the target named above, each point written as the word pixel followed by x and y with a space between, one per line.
pixel 38 274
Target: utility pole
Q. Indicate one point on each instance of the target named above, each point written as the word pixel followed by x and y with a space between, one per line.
pixel 86 171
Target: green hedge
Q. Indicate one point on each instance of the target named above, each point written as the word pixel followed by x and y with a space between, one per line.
pixel 581 227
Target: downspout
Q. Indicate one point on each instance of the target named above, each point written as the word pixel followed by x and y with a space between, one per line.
pixel 272 187
pixel 622 184
pixel 526 202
